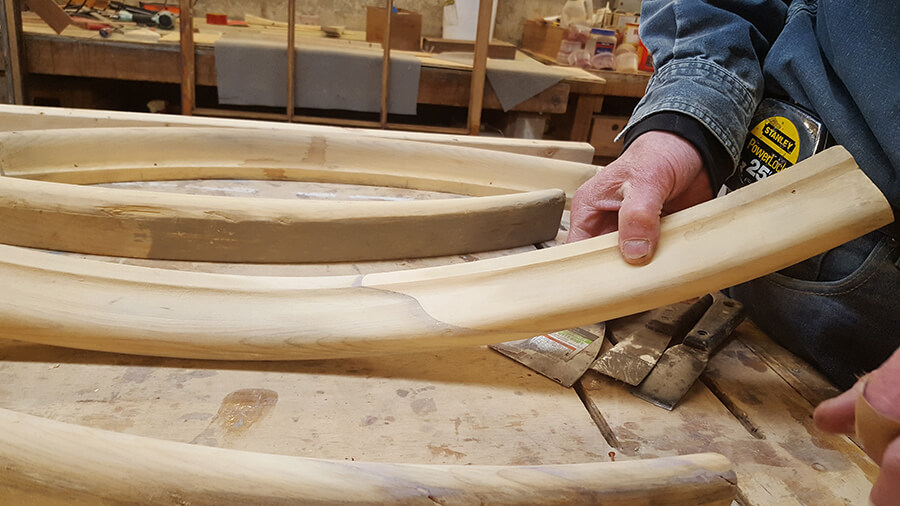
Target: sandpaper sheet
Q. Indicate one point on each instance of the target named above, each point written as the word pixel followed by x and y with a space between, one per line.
pixel 514 81
pixel 251 71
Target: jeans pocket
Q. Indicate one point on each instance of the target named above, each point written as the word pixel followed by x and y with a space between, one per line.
pixel 881 257
pixel 808 7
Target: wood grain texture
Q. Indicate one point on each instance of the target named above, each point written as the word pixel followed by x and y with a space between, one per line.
pixel 51 13
pixel 802 377
pixel 466 406
pixel 58 463
pixel 783 418
pixel 624 84
pixel 188 60
pixel 585 105
pixel 497 48
pixel 92 305
pixel 14 59
pixel 290 190
pixel 479 65
pixel 752 416
pixel 452 87
pixel 138 224
pixel 17 118
pixel 386 63
pixel 179 153
pixel 291 58
pixel 202 228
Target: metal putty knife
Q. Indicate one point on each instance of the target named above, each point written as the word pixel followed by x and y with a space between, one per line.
pixel 682 364
pixel 642 338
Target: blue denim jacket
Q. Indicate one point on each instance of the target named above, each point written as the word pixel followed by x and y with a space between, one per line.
pixel 840 58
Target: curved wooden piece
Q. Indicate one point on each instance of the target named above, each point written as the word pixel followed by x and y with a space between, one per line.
pixel 819 204
pixel 157 153
pixel 140 224
pixel 204 228
pixel 48 462
pixel 18 118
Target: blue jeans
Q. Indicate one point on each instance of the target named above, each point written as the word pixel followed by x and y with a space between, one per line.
pixel 839 310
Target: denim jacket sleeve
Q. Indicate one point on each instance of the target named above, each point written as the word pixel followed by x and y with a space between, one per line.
pixel 708 56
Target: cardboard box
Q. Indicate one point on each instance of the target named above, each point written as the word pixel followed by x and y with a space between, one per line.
pixel 542 37
pixel 645 61
pixel 406 28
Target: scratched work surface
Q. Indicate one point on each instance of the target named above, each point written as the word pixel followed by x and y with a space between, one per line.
pixel 456 407
pixel 754 404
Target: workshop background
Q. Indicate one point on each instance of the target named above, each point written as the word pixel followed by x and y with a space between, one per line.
pixel 192 101
pixel 568 71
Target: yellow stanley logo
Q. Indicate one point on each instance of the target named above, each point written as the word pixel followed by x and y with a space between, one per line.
pixel 779 134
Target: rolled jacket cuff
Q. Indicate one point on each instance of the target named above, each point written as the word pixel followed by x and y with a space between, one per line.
pixel 706 92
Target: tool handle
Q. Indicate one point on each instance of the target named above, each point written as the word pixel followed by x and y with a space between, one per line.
pixel 716 326
pixel 676 320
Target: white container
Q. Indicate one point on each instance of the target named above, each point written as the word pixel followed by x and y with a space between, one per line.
pixel 461 19
pixel 626 62
pixel 576 12
pixel 631 34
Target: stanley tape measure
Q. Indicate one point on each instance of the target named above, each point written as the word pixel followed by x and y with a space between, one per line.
pixel 782 134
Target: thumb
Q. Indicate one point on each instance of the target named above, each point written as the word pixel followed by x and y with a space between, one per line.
pixel 838 414
pixel 639 222
pixel 882 388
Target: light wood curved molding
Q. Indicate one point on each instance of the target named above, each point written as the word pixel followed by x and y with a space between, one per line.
pixel 116 222
pixel 818 204
pixel 53 463
pixel 18 118
pixel 142 224
pixel 160 153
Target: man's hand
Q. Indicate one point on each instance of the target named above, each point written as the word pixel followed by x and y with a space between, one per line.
pixel 883 393
pixel 658 173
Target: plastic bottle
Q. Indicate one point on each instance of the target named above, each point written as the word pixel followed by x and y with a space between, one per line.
pixel 574 12
pixel 604 43
pixel 604 40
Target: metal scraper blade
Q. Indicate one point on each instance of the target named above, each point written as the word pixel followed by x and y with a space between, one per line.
pixel 673 376
pixel 641 339
pixel 632 358
pixel 562 356
pixel 682 364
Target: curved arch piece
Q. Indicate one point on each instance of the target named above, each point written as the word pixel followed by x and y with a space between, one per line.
pixel 130 223
pixel 167 153
pixel 21 117
pixel 816 205
pixel 49 462
pixel 204 228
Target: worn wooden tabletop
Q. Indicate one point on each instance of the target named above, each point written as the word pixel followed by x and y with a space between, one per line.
pixel 753 405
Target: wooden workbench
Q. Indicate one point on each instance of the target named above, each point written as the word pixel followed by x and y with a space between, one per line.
pixel 592 122
pixel 575 104
pixel 457 407
pixel 81 53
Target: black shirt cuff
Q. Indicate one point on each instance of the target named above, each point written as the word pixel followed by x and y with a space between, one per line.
pixel 716 160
